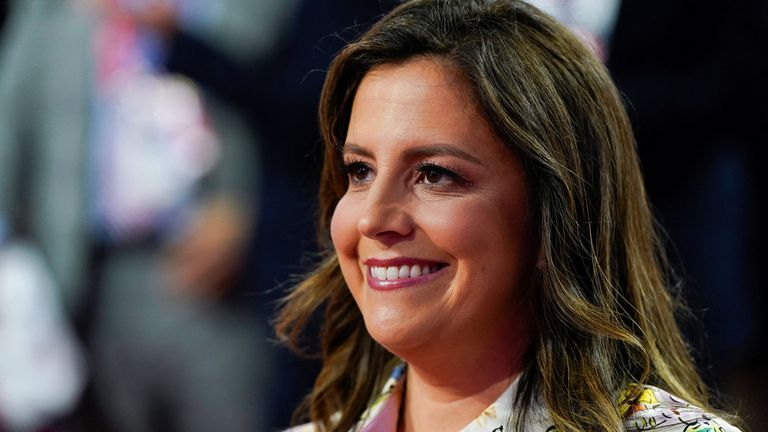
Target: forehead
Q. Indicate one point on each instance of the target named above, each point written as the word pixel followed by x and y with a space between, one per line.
pixel 423 85
pixel 417 78
pixel 422 100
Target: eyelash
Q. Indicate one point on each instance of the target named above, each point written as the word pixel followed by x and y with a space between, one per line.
pixel 455 178
pixel 349 168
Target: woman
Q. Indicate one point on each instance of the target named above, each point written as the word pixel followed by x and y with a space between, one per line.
pixel 489 245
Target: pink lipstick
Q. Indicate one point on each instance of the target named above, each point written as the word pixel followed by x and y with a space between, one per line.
pixel 400 272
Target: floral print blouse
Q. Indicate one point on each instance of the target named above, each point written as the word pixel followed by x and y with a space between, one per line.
pixel 653 410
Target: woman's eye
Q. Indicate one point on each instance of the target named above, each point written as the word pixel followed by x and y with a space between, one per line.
pixel 358 171
pixel 432 174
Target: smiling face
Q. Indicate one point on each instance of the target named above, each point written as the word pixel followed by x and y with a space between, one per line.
pixel 433 235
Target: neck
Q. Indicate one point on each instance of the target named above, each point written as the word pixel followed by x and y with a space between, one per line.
pixel 449 390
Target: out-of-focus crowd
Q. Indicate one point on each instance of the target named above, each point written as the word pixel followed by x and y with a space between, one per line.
pixel 157 189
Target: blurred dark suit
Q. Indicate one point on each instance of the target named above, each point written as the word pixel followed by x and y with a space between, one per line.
pixel 694 74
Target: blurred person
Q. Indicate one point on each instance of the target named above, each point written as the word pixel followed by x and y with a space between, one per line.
pixel 41 363
pixel 138 190
pixel 591 20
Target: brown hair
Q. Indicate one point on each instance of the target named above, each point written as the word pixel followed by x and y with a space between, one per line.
pixel 605 317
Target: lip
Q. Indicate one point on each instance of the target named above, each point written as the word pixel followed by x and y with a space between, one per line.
pixel 389 285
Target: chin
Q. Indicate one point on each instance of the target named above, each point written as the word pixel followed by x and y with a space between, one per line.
pixel 394 332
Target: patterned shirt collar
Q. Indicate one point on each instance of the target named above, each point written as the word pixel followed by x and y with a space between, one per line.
pixel 382 416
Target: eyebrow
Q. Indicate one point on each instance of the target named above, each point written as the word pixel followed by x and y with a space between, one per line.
pixel 418 152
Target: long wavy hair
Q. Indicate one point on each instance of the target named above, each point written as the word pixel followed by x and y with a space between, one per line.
pixel 605 311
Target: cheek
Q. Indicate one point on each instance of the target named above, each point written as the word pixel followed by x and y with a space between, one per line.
pixel 488 235
pixel 344 234
pixel 456 227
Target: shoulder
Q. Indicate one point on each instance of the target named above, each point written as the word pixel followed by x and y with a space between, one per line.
pixel 656 409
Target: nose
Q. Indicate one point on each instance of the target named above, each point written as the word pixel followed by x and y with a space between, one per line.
pixel 386 217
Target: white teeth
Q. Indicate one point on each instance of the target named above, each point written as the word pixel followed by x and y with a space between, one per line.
pixel 392 273
pixel 402 272
pixel 379 272
pixel 415 271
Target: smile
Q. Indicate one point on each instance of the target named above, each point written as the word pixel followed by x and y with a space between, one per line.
pixel 399 272
pixel 402 272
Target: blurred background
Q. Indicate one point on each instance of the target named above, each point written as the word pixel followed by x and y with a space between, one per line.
pixel 158 166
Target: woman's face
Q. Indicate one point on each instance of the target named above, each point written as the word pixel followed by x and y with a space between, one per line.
pixel 433 235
